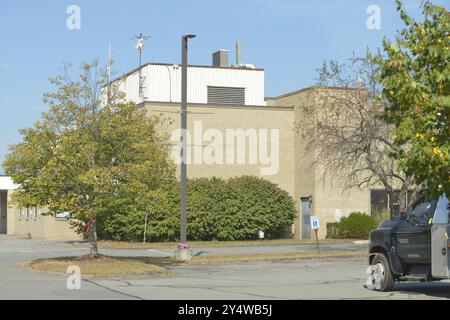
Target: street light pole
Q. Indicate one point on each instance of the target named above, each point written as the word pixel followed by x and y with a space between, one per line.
pixel 183 168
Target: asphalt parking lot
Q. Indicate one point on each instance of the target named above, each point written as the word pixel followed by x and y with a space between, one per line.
pixel 336 278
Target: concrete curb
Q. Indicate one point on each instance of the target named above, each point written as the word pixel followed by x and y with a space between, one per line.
pixel 361 242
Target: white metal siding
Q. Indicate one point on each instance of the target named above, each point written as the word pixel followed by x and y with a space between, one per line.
pixel 6 183
pixel 163 83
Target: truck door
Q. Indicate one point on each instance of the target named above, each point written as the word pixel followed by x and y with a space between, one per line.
pixel 439 239
pixel 413 234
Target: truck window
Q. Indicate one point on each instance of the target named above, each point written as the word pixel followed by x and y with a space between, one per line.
pixel 422 211
pixel 442 210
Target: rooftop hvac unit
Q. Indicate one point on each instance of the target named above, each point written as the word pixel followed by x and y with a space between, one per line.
pixel 221 58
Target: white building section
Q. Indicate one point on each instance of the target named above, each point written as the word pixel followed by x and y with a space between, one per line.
pixel 6 183
pixel 243 85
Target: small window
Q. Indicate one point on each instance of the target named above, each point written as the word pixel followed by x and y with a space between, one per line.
pixel 380 201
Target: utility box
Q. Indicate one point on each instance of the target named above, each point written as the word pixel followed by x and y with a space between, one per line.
pixel 221 58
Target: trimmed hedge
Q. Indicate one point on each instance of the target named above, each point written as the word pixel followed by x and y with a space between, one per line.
pixel 356 225
pixel 217 209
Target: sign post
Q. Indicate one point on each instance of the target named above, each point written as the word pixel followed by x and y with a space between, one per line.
pixel 315 224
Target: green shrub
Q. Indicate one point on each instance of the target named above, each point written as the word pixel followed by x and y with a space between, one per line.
pixel 333 230
pixel 217 209
pixel 254 204
pixel 356 225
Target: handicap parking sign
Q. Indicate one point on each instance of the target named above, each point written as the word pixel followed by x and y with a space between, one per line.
pixel 315 222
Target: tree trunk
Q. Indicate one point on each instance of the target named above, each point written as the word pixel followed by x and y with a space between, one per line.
pixel 93 238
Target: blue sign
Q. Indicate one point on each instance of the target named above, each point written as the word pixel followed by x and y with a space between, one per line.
pixel 315 224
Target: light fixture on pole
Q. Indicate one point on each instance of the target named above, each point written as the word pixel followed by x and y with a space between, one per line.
pixel 183 252
pixel 139 45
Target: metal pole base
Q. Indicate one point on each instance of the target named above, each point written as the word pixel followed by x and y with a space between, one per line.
pixel 183 254
pixel 316 231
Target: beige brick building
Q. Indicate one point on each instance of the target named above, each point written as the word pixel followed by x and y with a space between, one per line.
pixel 297 172
pixel 224 102
pixel 30 222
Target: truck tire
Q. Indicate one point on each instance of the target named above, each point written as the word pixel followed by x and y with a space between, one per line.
pixel 386 280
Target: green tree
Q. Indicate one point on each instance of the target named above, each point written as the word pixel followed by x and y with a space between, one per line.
pixel 91 154
pixel 415 74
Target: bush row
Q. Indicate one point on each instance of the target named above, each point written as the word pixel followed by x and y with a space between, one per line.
pixel 217 209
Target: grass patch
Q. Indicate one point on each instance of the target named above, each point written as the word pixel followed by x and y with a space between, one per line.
pixel 296 255
pixel 105 266
pixel 108 244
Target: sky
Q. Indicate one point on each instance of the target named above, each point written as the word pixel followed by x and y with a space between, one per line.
pixel 290 39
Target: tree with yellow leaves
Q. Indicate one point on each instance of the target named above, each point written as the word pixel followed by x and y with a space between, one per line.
pixel 415 74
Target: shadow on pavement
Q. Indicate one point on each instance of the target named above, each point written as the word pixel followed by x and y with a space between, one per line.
pixel 199 253
pixel 431 289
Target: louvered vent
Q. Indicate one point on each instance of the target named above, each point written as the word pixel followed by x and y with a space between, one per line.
pixel 226 95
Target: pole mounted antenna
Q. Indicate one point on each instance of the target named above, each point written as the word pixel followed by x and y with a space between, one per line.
pixel 238 53
pixel 139 45
pixel 109 62
pixel 108 65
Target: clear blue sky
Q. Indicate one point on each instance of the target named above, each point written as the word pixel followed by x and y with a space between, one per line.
pixel 289 38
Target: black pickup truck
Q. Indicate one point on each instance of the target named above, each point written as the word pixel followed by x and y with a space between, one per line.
pixel 413 246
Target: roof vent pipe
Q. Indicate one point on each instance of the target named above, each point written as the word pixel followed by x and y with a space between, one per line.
pixel 238 53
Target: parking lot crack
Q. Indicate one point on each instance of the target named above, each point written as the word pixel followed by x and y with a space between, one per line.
pixel 112 290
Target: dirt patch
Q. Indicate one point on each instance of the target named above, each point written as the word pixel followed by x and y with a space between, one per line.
pixel 104 266
pixel 91 257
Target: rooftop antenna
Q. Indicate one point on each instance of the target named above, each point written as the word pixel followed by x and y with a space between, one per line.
pixel 109 62
pixel 139 45
pixel 238 53
pixel 108 69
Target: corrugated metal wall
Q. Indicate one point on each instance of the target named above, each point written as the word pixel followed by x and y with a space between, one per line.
pixel 163 83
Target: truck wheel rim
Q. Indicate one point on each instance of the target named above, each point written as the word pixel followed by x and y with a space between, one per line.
pixel 379 273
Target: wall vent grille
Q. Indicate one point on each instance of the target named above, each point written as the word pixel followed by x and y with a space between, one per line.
pixel 226 95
